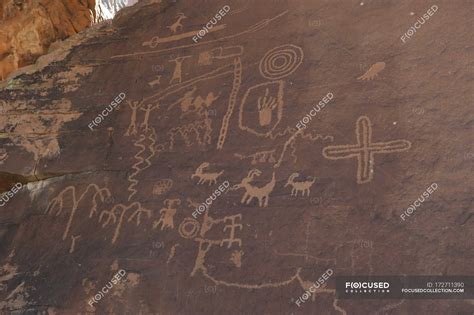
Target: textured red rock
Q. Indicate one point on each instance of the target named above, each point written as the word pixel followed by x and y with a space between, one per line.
pixel 299 203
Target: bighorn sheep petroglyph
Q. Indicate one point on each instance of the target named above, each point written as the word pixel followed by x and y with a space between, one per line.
pixel 211 178
pixel 303 187
pixel 261 193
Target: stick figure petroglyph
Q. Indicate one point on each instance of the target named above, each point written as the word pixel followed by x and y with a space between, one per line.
pixel 177 73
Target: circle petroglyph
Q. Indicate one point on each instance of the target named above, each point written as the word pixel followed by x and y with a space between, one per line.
pixel 281 61
pixel 189 228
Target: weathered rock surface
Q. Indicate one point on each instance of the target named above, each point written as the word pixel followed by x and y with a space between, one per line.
pixel 29 27
pixel 119 194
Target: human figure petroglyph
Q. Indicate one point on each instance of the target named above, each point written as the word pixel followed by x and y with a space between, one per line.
pixel 177 24
pixel 167 214
pixel 302 186
pixel 210 178
pixel 177 73
pixel 365 150
pixel 132 128
pixel 251 192
pixel 232 227
pixel 147 111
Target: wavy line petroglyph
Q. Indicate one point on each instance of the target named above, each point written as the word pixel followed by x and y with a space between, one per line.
pixel 365 150
pixel 281 61
pixel 142 162
pixel 373 71
pixel 290 143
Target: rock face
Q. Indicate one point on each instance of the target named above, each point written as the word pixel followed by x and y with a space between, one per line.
pixel 165 168
pixel 29 27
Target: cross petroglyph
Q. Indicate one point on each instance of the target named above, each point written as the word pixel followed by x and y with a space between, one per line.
pixel 364 150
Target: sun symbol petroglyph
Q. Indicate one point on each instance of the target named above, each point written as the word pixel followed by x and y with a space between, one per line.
pixel 251 192
pixel 189 228
pixel 281 61
pixel 301 186
pixel 364 150
pixel 373 71
pixel 210 178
